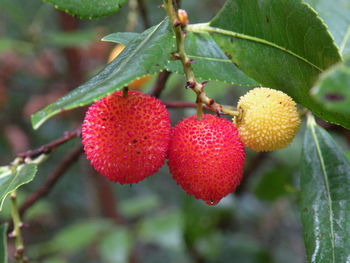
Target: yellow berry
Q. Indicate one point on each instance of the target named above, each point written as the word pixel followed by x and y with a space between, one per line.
pixel 137 84
pixel 268 119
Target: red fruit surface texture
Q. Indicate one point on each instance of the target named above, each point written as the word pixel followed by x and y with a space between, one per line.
pixel 206 157
pixel 126 138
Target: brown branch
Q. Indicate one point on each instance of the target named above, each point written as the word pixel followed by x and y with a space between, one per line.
pixel 143 13
pixel 52 145
pixel 53 179
pixel 72 55
pixel 249 171
pixel 107 200
pixel 186 104
pixel 160 83
pixel 179 21
pixel 181 104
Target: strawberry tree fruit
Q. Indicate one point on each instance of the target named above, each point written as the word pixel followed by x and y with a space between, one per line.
pixel 206 157
pixel 126 138
pixel 268 119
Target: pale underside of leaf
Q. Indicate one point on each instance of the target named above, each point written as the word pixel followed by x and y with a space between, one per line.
pixel 11 178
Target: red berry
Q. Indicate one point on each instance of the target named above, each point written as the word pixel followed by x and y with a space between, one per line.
pixel 126 138
pixel 206 157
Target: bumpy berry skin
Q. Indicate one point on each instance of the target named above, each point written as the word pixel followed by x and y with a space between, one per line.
pixel 206 157
pixel 137 84
pixel 126 138
pixel 269 119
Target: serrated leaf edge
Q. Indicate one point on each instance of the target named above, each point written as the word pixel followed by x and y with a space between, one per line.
pixel 71 12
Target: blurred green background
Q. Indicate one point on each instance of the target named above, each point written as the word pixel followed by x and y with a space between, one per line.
pixel 44 53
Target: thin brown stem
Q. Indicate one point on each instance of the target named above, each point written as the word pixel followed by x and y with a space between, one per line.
pixel 160 83
pixel 199 111
pixel 144 14
pixel 51 146
pixel 186 104
pixel 180 34
pixel 107 200
pixel 53 179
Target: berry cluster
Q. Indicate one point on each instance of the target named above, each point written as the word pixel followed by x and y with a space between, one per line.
pixel 127 137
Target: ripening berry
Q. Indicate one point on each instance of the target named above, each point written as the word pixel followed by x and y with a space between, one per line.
pixel 126 138
pixel 137 84
pixel 206 157
pixel 269 119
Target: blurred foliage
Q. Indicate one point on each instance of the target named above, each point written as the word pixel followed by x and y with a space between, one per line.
pixel 41 59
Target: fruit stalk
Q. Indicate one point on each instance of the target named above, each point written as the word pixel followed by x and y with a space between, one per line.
pixel 17 233
pixel 179 27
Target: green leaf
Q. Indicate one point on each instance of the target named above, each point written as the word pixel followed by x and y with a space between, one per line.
pixel 115 245
pixel 135 207
pixel 210 62
pixel 88 8
pixel 121 37
pixel 3 243
pixel 73 238
pixel 12 177
pixel 333 88
pixel 164 229
pixel 280 44
pixel 145 55
pixel 336 14
pixel 324 197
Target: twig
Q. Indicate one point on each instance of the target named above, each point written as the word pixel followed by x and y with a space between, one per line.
pixel 17 233
pixel 179 21
pixel 160 83
pixel 144 14
pixel 253 165
pixel 72 54
pixel 186 104
pixel 51 146
pixel 53 178
pixel 107 200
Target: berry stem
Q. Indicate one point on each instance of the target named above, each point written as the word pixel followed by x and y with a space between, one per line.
pixel 125 92
pixel 199 111
pixel 180 33
pixel 17 233
pixel 232 113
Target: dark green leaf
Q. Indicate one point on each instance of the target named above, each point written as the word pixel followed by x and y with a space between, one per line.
pixel 336 14
pixel 281 44
pixel 12 178
pixel 3 243
pixel 333 88
pixel 210 63
pixel 88 8
pixel 324 197
pixel 145 55
pixel 121 37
